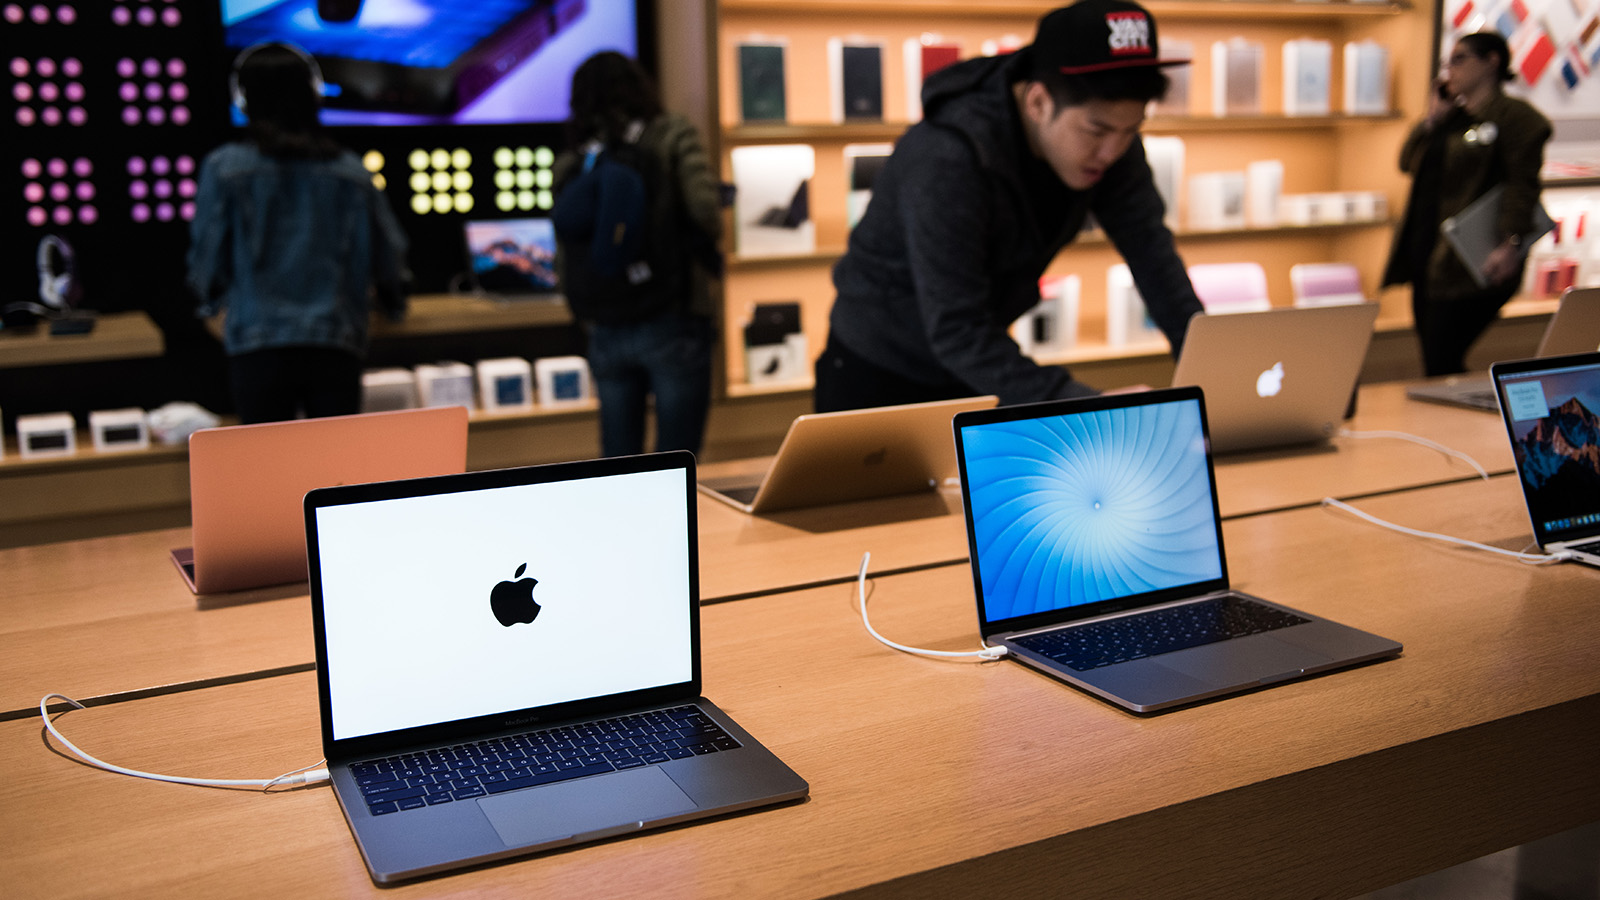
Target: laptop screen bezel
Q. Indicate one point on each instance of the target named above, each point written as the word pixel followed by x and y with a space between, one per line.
pixel 1050 409
pixel 1499 373
pixel 530 717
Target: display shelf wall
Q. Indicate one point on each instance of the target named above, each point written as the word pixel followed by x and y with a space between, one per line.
pixel 1324 153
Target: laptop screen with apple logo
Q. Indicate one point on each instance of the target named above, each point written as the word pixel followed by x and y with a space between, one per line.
pixel 455 605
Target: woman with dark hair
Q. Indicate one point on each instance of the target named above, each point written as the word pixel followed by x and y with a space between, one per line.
pixel 662 345
pixel 291 238
pixel 1473 138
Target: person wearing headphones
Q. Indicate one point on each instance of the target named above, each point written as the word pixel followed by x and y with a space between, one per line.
pixel 1473 138
pixel 294 242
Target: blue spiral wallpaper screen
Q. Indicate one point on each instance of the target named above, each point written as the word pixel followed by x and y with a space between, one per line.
pixel 1091 506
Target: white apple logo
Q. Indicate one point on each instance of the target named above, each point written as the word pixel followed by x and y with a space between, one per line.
pixel 1270 382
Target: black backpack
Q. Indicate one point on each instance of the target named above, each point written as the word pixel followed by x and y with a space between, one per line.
pixel 618 267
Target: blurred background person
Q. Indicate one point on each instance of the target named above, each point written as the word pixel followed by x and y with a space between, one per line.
pixel 1472 138
pixel 650 330
pixel 292 242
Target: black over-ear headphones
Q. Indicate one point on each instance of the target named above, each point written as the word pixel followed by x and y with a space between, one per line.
pixel 318 87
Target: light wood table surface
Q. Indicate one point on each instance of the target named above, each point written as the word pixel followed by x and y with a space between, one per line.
pixel 933 778
pixel 109 618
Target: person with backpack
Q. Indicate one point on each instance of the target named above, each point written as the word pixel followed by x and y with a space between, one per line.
pixel 637 219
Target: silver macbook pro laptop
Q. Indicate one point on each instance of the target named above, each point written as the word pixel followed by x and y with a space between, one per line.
pixel 509 661
pixel 1574 328
pixel 1279 377
pixel 1097 556
pixel 1549 408
pixel 857 454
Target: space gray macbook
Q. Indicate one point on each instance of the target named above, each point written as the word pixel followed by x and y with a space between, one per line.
pixel 1097 556
pixel 1549 407
pixel 509 661
pixel 1574 328
pixel 1278 377
pixel 856 454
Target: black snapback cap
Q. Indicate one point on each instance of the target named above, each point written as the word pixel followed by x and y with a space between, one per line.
pixel 1097 36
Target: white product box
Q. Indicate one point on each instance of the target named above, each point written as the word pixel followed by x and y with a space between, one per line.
pixel 1307 77
pixel 1216 201
pixel 445 384
pixel 562 380
pixel 384 390
pixel 1263 192
pixel 1051 327
pixel 505 384
pixel 778 363
pixel 772 205
pixel 44 435
pixel 1165 156
pixel 1127 321
pixel 119 429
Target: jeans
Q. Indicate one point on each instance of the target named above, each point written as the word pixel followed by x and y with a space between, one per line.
pixel 668 356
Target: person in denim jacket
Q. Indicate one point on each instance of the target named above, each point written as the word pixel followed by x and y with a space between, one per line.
pixel 293 242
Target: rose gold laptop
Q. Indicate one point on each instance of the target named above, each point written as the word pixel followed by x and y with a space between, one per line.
pixel 246 483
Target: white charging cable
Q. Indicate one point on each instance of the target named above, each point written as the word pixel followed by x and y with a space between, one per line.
pixel 303 775
pixel 988 653
pixel 1431 445
pixel 1536 559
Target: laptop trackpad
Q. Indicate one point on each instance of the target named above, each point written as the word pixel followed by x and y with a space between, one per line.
pixel 558 811
pixel 1243 661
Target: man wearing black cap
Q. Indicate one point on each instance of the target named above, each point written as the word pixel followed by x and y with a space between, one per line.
pixel 1012 155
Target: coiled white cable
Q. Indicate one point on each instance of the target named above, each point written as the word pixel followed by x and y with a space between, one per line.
pixel 1535 559
pixel 988 653
pixel 303 775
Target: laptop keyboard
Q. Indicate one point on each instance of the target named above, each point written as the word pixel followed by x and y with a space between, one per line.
pixel 1085 647
pixel 480 768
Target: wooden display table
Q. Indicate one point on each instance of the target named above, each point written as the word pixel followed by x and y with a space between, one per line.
pixel 933 778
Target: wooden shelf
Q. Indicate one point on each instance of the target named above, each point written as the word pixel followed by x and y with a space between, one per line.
pixel 1097 351
pixel 432 314
pixel 830 255
pixel 798 133
pixel 124 335
pixel 830 132
pixel 1316 149
pixel 1263 122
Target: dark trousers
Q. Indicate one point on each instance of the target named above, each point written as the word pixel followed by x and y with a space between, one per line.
pixel 847 380
pixel 282 383
pixel 668 356
pixel 1448 327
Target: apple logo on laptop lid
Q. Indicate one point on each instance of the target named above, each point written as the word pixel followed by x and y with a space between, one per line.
pixel 1270 382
